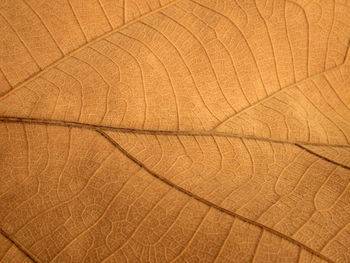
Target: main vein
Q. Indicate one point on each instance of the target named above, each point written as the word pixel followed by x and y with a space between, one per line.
pixel 159 132
pixel 207 202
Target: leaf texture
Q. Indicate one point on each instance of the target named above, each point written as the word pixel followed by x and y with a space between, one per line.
pixel 35 34
pixel 183 131
pixel 10 252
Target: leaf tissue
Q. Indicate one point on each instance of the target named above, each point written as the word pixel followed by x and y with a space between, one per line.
pixel 175 131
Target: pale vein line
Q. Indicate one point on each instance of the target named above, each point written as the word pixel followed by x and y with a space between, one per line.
pixel 57 62
pixel 257 245
pixel 255 104
pixel 288 39
pixel 276 71
pixel 105 14
pixel 103 79
pixel 208 203
pixel 165 180
pixel 226 50
pixel 194 235
pixel 206 54
pixel 187 67
pixel 223 245
pixel 19 246
pixel 166 72
pixel 124 8
pixel 5 255
pixel 108 58
pixel 81 90
pixel 243 37
pixel 106 210
pixel 6 79
pixel 44 25
pixel 142 76
pixel 23 43
pixel 140 224
pixel 322 157
pixel 329 35
pixel 308 34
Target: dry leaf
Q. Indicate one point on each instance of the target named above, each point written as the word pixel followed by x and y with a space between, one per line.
pixel 9 252
pixel 175 131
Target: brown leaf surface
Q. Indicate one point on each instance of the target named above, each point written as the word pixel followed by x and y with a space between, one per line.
pixel 9 252
pixel 184 131
pixel 36 34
